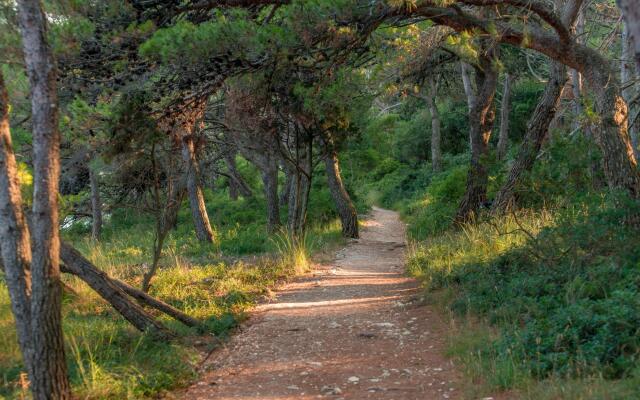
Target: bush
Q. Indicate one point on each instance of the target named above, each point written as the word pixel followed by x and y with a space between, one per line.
pixel 563 288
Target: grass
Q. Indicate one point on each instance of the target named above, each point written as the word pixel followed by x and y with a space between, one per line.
pixel 544 304
pixel 219 284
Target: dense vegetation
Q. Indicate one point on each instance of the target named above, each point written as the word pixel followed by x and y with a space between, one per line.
pixel 164 165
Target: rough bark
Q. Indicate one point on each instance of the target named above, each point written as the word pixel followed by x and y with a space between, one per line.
pixel 436 149
pixel 49 373
pixel 627 78
pixel 204 233
pixel 505 109
pixel 481 118
pixel 14 235
pixel 341 198
pixel 96 204
pixel 631 13
pixel 537 131
pixel 76 264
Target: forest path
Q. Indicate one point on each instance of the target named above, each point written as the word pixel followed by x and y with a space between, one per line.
pixel 350 330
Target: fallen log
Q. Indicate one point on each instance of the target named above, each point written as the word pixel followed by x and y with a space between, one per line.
pixel 76 264
pixel 83 268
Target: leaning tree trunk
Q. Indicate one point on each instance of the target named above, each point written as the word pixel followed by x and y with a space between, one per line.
pixel 344 205
pixel 203 229
pixel 49 372
pixel 537 130
pixel 481 118
pixel 436 148
pixel 96 205
pixel 115 292
pixel 76 264
pixel 270 183
pixel 505 109
pixel 14 235
pixel 627 78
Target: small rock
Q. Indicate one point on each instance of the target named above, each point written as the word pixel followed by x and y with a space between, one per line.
pixel 353 379
pixel 293 387
pixel 331 390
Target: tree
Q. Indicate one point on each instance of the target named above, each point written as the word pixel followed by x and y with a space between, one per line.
pixel 503 139
pixel 481 118
pixel 33 276
pixel 631 13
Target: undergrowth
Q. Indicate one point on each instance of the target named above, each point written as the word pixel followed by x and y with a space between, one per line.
pixel 218 284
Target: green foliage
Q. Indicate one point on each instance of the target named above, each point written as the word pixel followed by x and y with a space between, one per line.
pixel 562 287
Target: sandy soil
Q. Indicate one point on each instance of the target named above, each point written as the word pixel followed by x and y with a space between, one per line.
pixel 353 329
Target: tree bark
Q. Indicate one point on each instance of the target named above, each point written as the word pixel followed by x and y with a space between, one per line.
pixel 436 149
pixel 76 264
pixel 96 205
pixel 204 233
pixel 286 189
pixel 49 378
pixel 341 198
pixel 631 13
pixel 481 118
pixel 159 305
pixel 537 131
pixel 14 235
pixel 505 109
pixel 627 78
pixel 270 183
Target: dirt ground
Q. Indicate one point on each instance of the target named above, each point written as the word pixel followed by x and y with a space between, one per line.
pixel 353 329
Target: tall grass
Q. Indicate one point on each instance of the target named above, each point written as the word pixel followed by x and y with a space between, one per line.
pixel 107 358
pixel 545 304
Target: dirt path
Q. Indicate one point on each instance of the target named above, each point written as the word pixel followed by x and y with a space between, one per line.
pixel 352 330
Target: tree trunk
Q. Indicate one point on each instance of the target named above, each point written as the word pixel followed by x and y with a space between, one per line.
pixel 115 293
pixel 286 190
pixel 159 305
pixel 436 149
pixel 537 130
pixel 49 379
pixel 344 205
pixel 14 235
pixel 270 183
pixel 96 205
pixel 627 78
pixel 76 264
pixel 301 186
pixel 204 233
pixel 505 109
pixel 237 185
pixel 631 13
pixel 466 71
pixel 481 118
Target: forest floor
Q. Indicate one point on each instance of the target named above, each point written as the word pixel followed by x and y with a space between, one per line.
pixel 352 329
